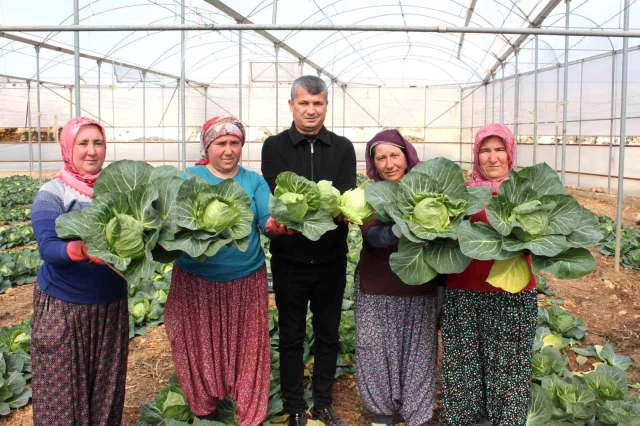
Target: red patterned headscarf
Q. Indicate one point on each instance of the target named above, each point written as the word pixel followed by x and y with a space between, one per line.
pixel 69 175
pixel 487 131
pixel 216 127
pixel 389 137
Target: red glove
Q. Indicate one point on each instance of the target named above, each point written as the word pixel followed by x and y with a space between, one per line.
pixel 275 228
pixel 77 251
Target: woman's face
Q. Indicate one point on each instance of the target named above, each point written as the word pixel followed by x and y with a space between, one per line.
pixel 390 162
pixel 224 154
pixel 89 150
pixel 493 158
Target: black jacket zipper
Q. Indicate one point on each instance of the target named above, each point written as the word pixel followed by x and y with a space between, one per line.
pixel 312 144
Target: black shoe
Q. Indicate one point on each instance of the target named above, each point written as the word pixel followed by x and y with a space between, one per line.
pixel 297 419
pixel 328 416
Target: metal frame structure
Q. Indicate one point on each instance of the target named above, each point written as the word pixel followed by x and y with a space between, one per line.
pixel 243 25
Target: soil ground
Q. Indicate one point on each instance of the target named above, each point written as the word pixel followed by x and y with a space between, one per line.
pixel 608 301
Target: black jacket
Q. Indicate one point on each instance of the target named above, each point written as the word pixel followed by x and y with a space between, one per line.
pixel 333 158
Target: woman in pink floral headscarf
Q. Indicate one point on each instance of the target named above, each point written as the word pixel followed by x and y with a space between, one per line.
pixel 80 336
pixel 487 333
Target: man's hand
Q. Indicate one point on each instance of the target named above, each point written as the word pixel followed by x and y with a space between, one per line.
pixel 274 228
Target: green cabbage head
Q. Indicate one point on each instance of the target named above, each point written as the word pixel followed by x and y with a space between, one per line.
pixel 354 206
pixel 533 217
pixel 172 404
pixel 219 214
pixel 139 309
pixel 434 212
pixel 125 236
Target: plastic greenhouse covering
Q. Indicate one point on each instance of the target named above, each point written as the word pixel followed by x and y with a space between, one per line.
pixel 438 88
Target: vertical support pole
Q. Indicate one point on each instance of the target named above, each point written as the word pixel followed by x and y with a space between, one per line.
pixel 144 116
pixel 516 106
pixel 493 98
pixel 379 107
pixel 486 103
pixel 38 114
pixel 113 121
pixel 71 104
pixel 99 94
pixel 473 110
pixel 277 78
pixel 183 114
pixel 557 114
pixel 613 115
pixel 240 75
pixel 29 128
pixel 460 138
pixel 206 117
pixel 565 98
pixel 502 97
pixel 424 127
pixel 76 55
pixel 580 122
pixel 179 121
pixel 623 135
pixel 344 108
pixel 333 92
pixel 535 103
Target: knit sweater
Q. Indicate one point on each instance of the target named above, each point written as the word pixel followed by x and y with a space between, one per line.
pixel 59 276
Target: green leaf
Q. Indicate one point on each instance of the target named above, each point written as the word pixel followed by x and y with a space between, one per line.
pixel 607 382
pixel 409 263
pixel 564 218
pixel 289 182
pixel 4 409
pixel 517 189
pixel 382 197
pixel 480 197
pixel 124 176
pixel 511 275
pixel 499 211
pixel 329 196
pixel 588 233
pixel 15 382
pixel 480 241
pixel 544 180
pixel 547 361
pixel 547 245
pixel 21 399
pixel 446 257
pixel 444 173
pixel 571 264
pixel 540 408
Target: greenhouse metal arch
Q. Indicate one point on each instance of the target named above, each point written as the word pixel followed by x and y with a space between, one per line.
pixel 566 101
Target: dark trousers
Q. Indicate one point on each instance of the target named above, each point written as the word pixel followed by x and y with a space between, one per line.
pixel 322 288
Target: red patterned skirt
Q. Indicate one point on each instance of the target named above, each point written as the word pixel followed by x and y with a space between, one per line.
pixel 220 342
pixel 79 356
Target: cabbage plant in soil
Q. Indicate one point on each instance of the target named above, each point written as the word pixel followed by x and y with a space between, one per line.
pixel 532 215
pixel 297 203
pixel 429 204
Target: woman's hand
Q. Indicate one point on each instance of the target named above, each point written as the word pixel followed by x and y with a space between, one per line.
pixel 274 228
pixel 77 251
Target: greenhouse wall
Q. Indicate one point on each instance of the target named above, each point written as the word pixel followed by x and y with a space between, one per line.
pixel 144 123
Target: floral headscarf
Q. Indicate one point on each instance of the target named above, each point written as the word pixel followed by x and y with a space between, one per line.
pixel 216 127
pixel 389 137
pixel 503 132
pixel 69 175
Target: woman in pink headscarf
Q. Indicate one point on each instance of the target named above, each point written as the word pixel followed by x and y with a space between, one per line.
pixel 395 323
pixel 80 335
pixel 487 333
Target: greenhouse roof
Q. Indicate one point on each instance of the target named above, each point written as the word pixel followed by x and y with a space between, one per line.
pixel 352 58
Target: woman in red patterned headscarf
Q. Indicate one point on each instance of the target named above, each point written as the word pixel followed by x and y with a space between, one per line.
pixel 487 333
pixel 216 311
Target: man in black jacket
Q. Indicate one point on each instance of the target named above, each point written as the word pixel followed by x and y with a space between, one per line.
pixel 309 272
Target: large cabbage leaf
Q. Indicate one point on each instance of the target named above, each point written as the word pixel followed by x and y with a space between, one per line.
pixel 429 205
pixel 207 217
pixel 299 204
pixel 532 215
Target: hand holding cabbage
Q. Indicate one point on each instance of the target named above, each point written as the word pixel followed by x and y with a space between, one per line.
pixel 141 214
pixel 428 205
pixel 532 215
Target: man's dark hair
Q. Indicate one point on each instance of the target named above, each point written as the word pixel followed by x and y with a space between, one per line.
pixel 311 84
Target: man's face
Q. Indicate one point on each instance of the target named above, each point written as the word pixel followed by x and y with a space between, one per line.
pixel 309 111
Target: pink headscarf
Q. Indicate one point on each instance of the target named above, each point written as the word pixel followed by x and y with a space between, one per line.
pixel 503 132
pixel 216 127
pixel 69 175
pixel 390 137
